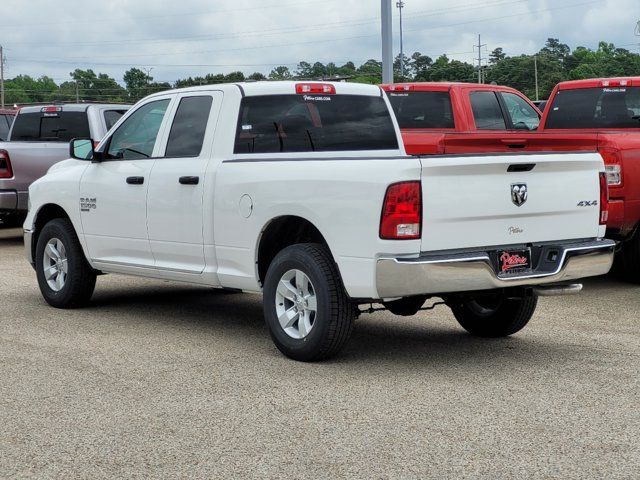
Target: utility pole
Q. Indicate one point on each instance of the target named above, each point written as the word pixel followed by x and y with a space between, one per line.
pixel 535 71
pixel 480 45
pixel 1 77
pixel 400 5
pixel 387 42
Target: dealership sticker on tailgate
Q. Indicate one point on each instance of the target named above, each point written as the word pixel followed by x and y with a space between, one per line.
pixel 514 262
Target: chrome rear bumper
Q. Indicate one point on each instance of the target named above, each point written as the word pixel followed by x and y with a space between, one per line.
pixel 470 271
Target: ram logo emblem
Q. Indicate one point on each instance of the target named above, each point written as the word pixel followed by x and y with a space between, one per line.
pixel 519 194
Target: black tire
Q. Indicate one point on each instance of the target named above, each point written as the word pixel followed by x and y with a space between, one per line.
pixel 80 279
pixel 494 316
pixel 628 259
pixel 333 321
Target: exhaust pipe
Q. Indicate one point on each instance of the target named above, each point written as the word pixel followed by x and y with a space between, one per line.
pixel 554 290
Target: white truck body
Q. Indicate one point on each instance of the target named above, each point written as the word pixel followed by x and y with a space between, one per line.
pixel 212 232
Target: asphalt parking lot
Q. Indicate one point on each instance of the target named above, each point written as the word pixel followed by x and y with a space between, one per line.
pixel 158 379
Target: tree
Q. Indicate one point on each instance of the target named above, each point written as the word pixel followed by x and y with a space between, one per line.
pixel 257 76
pixel 555 50
pixel 419 65
pixel 137 83
pixel 280 73
pixel 444 69
pixel 496 55
pixel 96 88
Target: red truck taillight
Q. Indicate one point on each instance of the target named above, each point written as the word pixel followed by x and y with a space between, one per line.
pixel 5 165
pixel 604 199
pixel 402 212
pixel 612 166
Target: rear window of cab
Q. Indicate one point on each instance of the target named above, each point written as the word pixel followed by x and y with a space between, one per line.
pixel 598 107
pixel 314 123
pixel 422 109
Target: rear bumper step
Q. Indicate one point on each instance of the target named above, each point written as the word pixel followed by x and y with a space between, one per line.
pixel 463 272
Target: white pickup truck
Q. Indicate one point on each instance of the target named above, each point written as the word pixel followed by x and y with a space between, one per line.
pixel 303 191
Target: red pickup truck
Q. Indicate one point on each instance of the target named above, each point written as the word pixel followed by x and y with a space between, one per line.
pixel 581 115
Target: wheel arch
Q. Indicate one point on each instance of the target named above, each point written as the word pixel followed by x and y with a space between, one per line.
pixel 281 232
pixel 45 214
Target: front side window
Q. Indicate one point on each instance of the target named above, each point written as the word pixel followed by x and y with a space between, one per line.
pixel 314 123
pixel 59 126
pixel 487 113
pixel 189 126
pixel 136 137
pixel 422 109
pixel 603 107
pixel 523 116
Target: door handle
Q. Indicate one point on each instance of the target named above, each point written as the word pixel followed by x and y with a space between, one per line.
pixel 514 142
pixel 135 180
pixel 189 180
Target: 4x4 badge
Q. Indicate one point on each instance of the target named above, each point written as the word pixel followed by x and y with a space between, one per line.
pixel 519 194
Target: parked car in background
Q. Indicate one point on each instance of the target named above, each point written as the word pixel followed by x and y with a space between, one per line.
pixel 600 114
pixel 6 120
pixel 540 104
pixel 460 117
pixel 303 190
pixel 39 138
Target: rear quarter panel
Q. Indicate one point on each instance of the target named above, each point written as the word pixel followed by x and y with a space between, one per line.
pixel 341 197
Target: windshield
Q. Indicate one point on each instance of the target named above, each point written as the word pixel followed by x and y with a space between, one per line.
pixel 603 107
pixel 422 109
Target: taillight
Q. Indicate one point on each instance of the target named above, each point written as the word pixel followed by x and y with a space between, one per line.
pixel 5 165
pixel 323 88
pixel 612 166
pixel 51 109
pixel 402 212
pixel 400 88
pixel 604 199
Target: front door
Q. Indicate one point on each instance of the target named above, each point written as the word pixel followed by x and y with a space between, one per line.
pixel 113 192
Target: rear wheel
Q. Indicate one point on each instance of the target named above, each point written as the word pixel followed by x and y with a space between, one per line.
pixel 65 278
pixel 308 312
pixel 494 315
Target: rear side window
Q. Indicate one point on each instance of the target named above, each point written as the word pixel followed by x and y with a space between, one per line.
pixel 314 123
pixel 603 107
pixel 189 127
pixel 112 116
pixel 422 109
pixel 50 127
pixel 4 126
pixel 486 111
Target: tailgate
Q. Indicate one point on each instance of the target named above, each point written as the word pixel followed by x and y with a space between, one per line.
pixel 469 201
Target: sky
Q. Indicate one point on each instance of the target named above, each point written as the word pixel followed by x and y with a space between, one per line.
pixel 176 40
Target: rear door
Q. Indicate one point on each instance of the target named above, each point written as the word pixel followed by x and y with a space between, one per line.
pixel 492 200
pixel 177 183
pixel 503 122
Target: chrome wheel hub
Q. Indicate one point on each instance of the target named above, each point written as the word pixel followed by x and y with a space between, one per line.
pixel 55 264
pixel 296 304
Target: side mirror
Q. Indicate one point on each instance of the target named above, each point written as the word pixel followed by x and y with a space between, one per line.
pixel 81 149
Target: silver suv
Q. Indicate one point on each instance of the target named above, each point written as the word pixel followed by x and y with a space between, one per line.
pixel 39 138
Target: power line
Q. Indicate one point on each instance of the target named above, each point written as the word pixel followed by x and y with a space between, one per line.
pixel 330 40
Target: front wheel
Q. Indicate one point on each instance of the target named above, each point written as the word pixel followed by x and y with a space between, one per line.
pixel 65 278
pixel 494 315
pixel 308 312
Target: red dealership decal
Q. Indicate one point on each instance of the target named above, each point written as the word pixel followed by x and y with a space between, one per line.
pixel 511 261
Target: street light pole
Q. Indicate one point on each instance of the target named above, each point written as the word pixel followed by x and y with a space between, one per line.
pixel 400 5
pixel 387 42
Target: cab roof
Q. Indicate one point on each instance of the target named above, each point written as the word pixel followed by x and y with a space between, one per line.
pixel 600 82
pixel 442 86
pixel 281 87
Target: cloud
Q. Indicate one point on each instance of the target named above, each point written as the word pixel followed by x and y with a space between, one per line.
pixel 195 37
